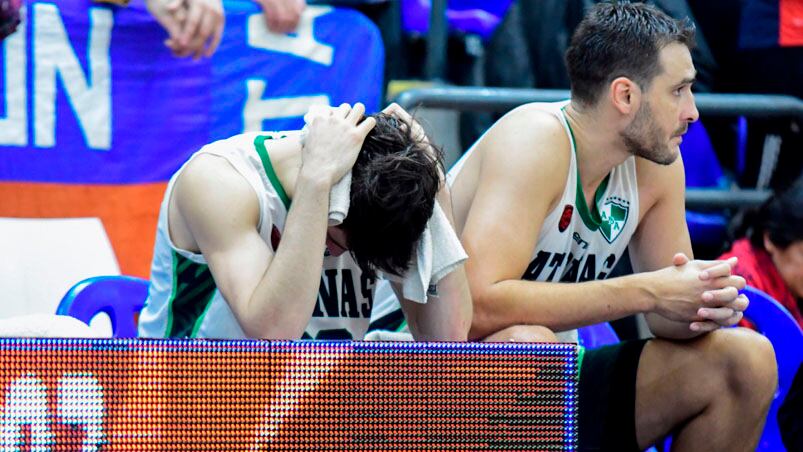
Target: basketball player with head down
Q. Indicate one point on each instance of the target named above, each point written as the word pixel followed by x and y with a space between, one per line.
pixel 244 248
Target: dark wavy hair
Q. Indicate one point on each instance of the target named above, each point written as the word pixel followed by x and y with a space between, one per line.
pixel 780 217
pixel 620 39
pixel 393 187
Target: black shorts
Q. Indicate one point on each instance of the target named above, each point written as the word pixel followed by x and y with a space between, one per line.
pixel 606 418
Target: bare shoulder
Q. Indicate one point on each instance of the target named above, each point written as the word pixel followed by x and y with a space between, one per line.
pixel 528 145
pixel 210 193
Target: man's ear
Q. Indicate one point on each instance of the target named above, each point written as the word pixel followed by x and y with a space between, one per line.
pixel 625 95
pixel 768 245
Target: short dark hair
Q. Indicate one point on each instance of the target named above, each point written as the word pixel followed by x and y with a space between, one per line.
pixel 620 39
pixel 780 218
pixel 393 186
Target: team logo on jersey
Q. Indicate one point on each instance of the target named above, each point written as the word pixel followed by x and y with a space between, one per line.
pixel 614 216
pixel 565 217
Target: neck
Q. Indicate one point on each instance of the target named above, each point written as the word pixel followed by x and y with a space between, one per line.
pixel 599 147
pixel 285 156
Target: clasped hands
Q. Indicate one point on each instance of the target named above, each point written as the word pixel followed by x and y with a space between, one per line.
pixel 703 293
pixel 195 27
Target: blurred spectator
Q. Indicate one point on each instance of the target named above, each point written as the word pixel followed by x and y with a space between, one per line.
pixel 195 27
pixel 282 16
pixel 770 251
pixel 9 17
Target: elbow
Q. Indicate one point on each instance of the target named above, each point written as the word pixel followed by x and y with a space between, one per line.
pixel 258 328
pixel 253 330
pixel 457 331
pixel 482 321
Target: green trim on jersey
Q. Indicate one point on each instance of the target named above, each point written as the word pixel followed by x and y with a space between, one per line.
pixel 591 217
pixel 259 144
pixel 581 352
pixel 200 321
pixel 393 321
pixel 193 290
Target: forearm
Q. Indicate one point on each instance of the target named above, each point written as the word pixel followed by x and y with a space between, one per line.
pixel 446 317
pixel 558 306
pixel 282 303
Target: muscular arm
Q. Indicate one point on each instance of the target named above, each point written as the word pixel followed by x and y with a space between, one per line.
pixel 523 173
pixel 653 246
pixel 521 177
pixel 446 317
pixel 272 295
pixel 662 233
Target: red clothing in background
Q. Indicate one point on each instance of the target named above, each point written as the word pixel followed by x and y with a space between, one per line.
pixel 790 23
pixel 755 265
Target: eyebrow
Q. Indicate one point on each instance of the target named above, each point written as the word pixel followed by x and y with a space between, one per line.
pixel 687 81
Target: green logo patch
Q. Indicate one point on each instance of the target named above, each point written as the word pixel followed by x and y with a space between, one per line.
pixel 614 216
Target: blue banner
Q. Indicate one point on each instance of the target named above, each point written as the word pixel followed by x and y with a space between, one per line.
pixel 90 94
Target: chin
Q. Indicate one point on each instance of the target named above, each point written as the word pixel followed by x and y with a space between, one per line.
pixel 670 157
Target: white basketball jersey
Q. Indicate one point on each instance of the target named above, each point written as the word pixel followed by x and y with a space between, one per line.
pixel 183 300
pixel 577 243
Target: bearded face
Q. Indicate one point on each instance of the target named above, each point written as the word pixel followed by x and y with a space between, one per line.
pixel 644 137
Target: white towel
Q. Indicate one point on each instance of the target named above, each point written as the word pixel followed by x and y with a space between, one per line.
pixel 339 200
pixel 438 252
pixel 340 194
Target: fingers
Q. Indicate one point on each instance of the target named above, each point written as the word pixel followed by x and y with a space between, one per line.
pixel 206 30
pixel 342 111
pixel 716 269
pixel 351 115
pixel 188 31
pixel 733 320
pixel 396 110
pixel 738 306
pixel 216 37
pixel 172 21
pixel 729 281
pixel 271 13
pixel 364 127
pixel 720 297
pixel 201 27
pixel 291 21
pixel 716 314
pixel 176 8
pixel 356 113
pixel 741 303
pixel 680 259
pixel 282 16
pixel 703 327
